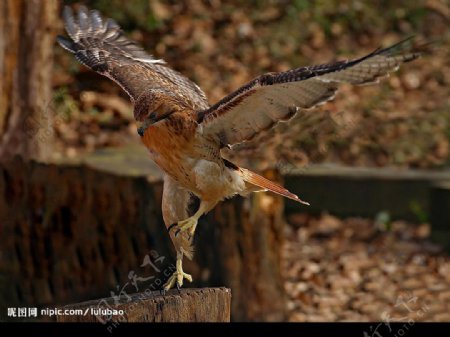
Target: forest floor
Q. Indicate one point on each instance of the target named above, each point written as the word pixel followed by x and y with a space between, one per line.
pixel 352 270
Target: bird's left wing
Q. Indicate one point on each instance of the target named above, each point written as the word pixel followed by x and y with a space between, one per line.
pixel 275 97
pixel 100 45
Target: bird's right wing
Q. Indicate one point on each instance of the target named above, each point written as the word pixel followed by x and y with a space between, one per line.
pixel 101 46
pixel 275 97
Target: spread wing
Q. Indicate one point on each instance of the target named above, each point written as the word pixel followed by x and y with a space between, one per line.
pixel 275 97
pixel 101 46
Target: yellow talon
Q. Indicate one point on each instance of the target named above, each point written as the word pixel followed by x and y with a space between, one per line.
pixel 178 276
pixel 188 224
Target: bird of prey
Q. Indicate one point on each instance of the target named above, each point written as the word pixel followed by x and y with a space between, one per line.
pixel 184 135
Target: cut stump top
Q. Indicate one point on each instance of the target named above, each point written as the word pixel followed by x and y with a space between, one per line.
pixel 186 305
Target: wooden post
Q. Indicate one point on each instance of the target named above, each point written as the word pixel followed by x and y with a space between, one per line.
pixel 439 213
pixel 186 305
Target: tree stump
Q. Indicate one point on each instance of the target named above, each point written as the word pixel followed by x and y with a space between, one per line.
pixel 72 232
pixel 186 305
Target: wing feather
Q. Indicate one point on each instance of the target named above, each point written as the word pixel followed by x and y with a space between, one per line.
pixel 100 45
pixel 274 97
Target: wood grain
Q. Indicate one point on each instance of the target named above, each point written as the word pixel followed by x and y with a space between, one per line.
pixel 186 305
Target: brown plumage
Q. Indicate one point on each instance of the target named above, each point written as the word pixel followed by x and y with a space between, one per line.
pixel 184 136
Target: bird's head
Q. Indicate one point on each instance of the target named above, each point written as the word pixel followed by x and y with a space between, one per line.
pixel 155 105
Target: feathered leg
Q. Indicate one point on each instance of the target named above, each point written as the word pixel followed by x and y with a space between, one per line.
pixel 176 206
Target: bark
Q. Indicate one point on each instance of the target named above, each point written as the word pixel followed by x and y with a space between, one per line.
pixel 26 59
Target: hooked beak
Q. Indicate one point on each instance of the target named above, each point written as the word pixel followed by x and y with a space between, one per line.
pixel 142 126
pixel 151 119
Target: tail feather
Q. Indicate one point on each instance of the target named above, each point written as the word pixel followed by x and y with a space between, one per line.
pixel 257 180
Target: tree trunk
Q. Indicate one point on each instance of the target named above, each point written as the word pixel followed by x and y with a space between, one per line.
pixel 240 246
pixel 26 59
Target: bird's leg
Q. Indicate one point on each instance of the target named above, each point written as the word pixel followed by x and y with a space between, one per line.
pixel 178 275
pixel 191 222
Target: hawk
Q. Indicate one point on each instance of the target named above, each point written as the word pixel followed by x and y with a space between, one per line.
pixel 184 135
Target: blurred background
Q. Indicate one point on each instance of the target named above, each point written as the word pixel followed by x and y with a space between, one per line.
pixel 80 199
